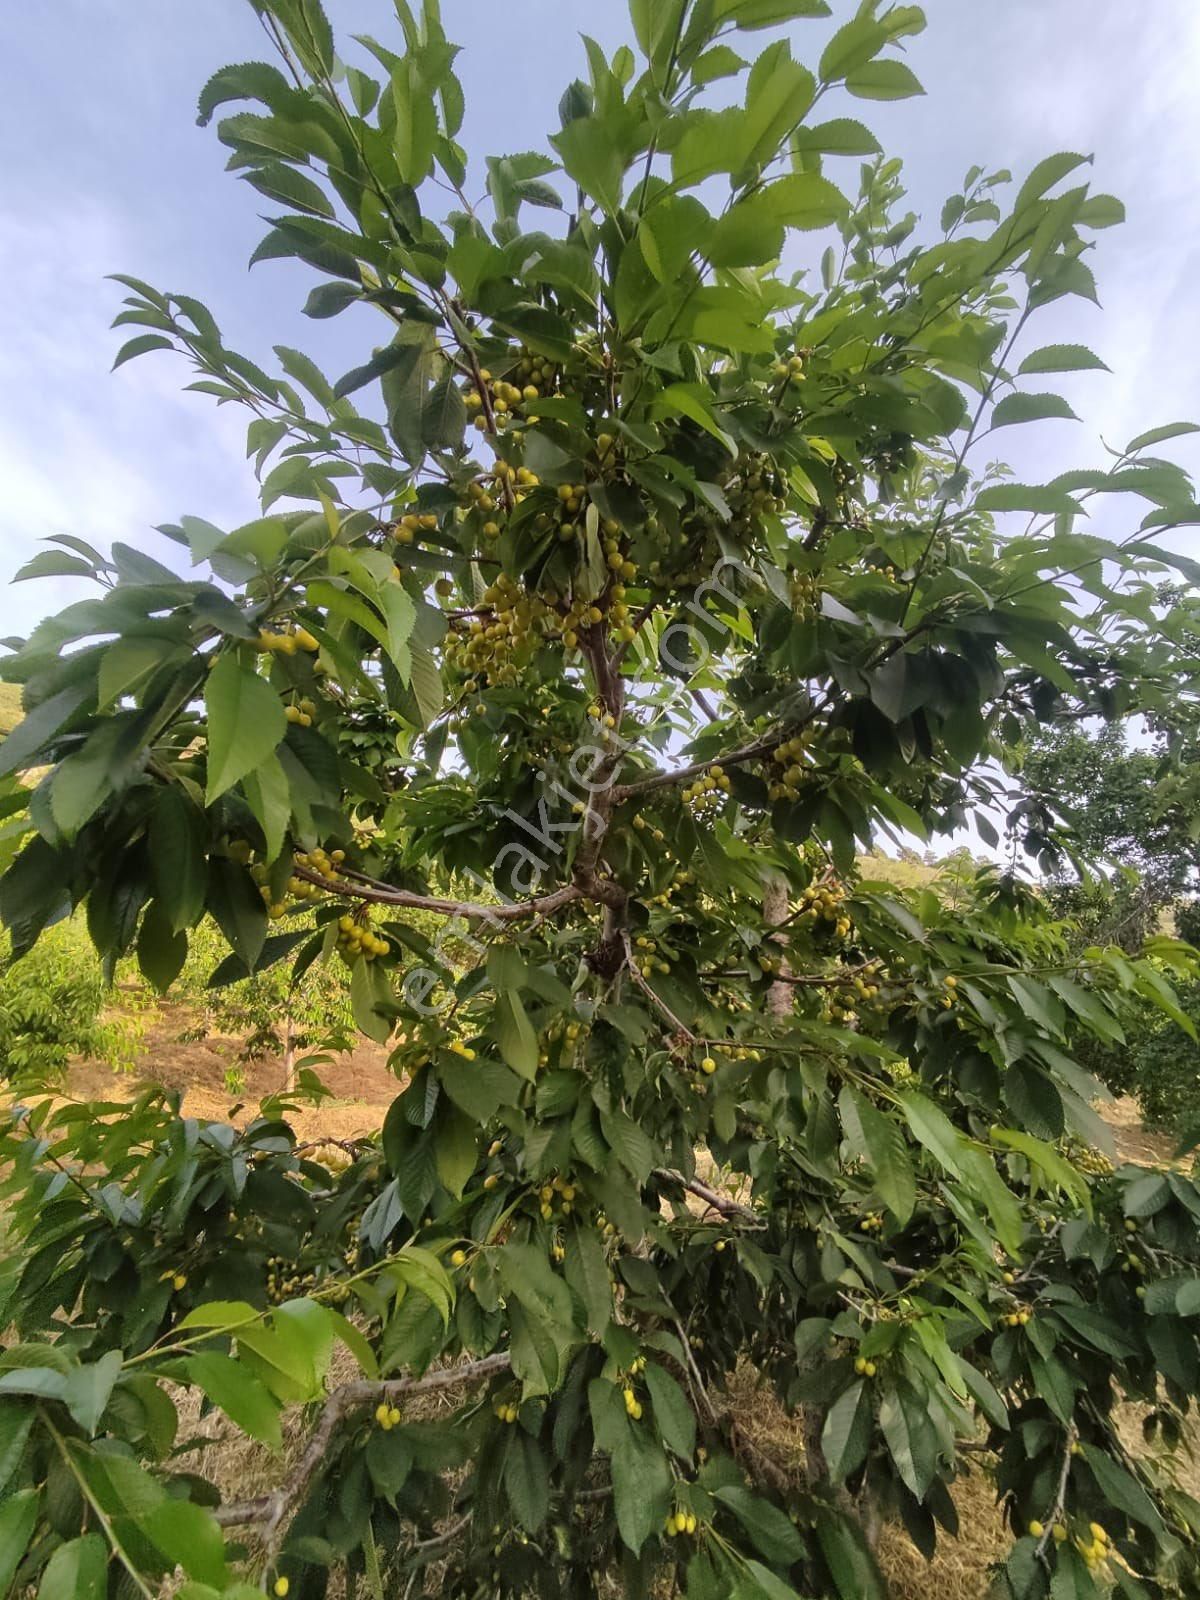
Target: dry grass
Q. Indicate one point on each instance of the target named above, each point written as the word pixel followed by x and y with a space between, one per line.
pixel 959 1569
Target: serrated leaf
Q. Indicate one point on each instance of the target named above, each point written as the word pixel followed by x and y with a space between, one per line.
pixel 1018 408
pixel 847 1431
pixel 884 80
pixel 883 1145
pixel 770 1529
pixel 242 1396
pixel 642 1484
pixel 673 1413
pixel 245 724
pixel 18 1516
pixel 78 1570
pixel 527 1480
pixel 629 1143
pixel 514 1034
pixel 1062 358
pixel 1038 499
pixel 842 136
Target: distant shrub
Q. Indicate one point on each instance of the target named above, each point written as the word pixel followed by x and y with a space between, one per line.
pixel 52 1007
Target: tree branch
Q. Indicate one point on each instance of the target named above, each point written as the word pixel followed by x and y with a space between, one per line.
pixel 384 894
pixel 697 769
pixel 270 1511
pixel 711 1197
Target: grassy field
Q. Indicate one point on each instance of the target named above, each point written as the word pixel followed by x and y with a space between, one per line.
pixel 10 707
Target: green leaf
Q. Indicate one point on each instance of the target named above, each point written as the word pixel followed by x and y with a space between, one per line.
pixel 142 345
pixel 1146 1196
pixel 1056 1169
pixel 236 905
pixel 770 1529
pixel 354 1341
pixel 1122 1490
pixel 1018 408
pixel 1045 175
pixel 189 1538
pixel 514 1034
pixel 291 1355
pixel 445 415
pixel 245 723
pixel 909 1438
pixel 1033 1099
pixel 18 1515
pixel 40 725
pixel 1160 435
pixel 672 1412
pixel 587 1272
pixel 694 401
pixel 280 182
pixel 369 993
pixel 750 14
pixel 415 129
pixel 1052 1381
pixel 592 158
pixel 1062 358
pixel 628 1143
pixel 269 796
pixel 840 137
pixel 756 1583
pixel 128 663
pixel 883 1145
pixel 178 856
pixel 854 44
pixel 88 1387
pixel 422 1271
pixel 719 62
pixel 883 80
pixel 243 1398
pixel 847 1431
pixel 850 1561
pixel 778 93
pixel 456 1149
pixel 77 1570
pixel 933 1128
pixel 54 564
pixel 527 1480
pixel 15 1423
pixel 161 952
pixel 642 1485
pixel 1039 499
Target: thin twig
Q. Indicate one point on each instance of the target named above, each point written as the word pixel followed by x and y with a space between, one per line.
pixel 635 972
pixel 1060 1494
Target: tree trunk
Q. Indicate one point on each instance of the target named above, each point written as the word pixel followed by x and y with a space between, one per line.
pixel 289 1056
pixel 780 1000
pixel 775 910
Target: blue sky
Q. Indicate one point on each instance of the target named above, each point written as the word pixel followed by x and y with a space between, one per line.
pixel 114 175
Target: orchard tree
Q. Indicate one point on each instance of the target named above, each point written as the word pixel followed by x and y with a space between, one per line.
pixel 643 571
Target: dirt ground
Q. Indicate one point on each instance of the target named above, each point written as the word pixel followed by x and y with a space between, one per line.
pixel 359 1081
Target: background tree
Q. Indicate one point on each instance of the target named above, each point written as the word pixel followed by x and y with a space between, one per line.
pixel 666 569
pixel 1123 805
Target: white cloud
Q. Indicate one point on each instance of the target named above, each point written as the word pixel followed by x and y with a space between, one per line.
pixel 101 456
